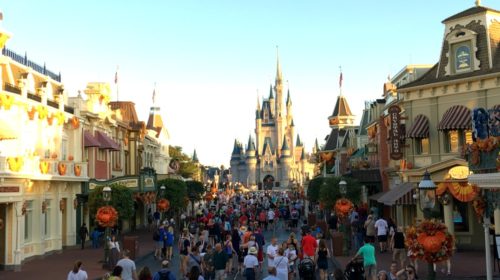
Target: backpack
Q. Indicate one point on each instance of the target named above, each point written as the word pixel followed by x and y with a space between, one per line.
pixel 164 275
pixel 156 235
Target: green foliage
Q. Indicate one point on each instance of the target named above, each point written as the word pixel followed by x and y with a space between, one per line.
pixel 195 190
pixel 188 169
pixel 121 200
pixel 314 188
pixel 329 191
pixel 175 192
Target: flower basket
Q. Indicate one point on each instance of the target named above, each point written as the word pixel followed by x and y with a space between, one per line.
pixel 430 241
pixel 343 207
pixel 106 216
pixel 163 205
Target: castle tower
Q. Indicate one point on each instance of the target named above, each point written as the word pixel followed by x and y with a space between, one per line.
pixel 289 112
pixel 272 102
pixel 278 87
pixel 235 161
pixel 286 161
pixel 258 125
pixel 251 162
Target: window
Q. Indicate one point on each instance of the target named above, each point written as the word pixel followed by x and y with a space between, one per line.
pixel 422 146
pixel 460 216
pixel 64 149
pixel 28 221
pixel 101 154
pixel 47 217
pixel 455 139
pixel 461 59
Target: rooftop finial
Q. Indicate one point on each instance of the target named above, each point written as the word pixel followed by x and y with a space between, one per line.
pixel 278 66
pixel 340 79
pixel 478 3
pixel 154 96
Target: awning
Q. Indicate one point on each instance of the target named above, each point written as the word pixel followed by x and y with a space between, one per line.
pixel 106 142
pixel 376 196
pixel 89 140
pixel 462 191
pixel 399 195
pixel 457 117
pixel 419 128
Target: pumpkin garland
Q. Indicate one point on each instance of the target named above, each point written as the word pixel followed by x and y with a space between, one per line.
pixel 106 216
pixel 343 207
pixel 429 241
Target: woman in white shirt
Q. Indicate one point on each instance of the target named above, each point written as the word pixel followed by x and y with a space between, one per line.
pixel 114 248
pixel 291 254
pixel 77 273
pixel 251 263
pixel 281 264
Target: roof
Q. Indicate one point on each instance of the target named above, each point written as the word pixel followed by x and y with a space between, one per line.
pixel 470 12
pixel 236 150
pixel 400 195
pixel 288 99
pixel 127 110
pixel 298 143
pixel 89 140
pixel 271 92
pixel 364 122
pixel 154 120
pixel 285 146
pixel 267 142
pixel 341 107
pixel 195 156
pixel 419 128
pixel 331 142
pixel 106 143
pixel 359 153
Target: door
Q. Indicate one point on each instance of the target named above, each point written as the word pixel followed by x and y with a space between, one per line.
pixel 64 221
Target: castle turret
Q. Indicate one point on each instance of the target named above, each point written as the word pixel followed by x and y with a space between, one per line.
pixel 286 162
pixel 272 102
pixel 195 157
pixel 258 124
pixel 289 112
pixel 251 162
pixel 278 87
pixel 235 161
pixel 298 143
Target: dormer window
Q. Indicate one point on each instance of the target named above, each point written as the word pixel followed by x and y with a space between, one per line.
pixel 462 48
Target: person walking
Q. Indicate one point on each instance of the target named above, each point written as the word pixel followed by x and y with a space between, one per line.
pixel 322 256
pixel 370 228
pixel 77 273
pixel 382 227
pixel 207 263
pixel 128 265
pixel 84 232
pixel 219 260
pixel 145 274
pixel 398 245
pixel 408 273
pixel 272 251
pixel 95 238
pixel 164 273
pixel 309 244
pixel 367 251
pixel 281 264
pixel 193 259
pixel 251 263
pixel 114 248
pixel 272 274
pixel 116 274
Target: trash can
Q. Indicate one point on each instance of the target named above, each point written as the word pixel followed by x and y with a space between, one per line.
pixel 311 219
pixel 337 240
pixel 131 243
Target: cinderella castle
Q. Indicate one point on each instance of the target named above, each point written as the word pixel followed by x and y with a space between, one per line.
pixel 273 159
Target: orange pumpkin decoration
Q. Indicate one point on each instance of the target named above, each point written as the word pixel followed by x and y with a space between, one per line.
pixel 75 122
pixel 78 170
pixel 106 216
pixel 53 156
pixel 213 189
pixel 431 243
pixel 70 158
pixel 6 101
pixel 50 119
pixel 31 113
pixel 343 207
pixel 163 205
pixel 61 167
pixel 44 167
pixel 15 163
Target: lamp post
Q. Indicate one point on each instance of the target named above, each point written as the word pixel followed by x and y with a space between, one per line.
pixel 106 197
pixel 427 201
pixel 343 192
pixel 162 195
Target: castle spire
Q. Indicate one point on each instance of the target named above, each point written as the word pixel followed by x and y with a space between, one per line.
pixel 298 143
pixel 258 101
pixel 195 156
pixel 288 98
pixel 279 76
pixel 271 95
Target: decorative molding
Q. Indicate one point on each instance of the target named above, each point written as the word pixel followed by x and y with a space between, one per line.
pixel 486 180
pixel 457 36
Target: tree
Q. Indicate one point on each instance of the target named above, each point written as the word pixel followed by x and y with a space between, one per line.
pixel 329 191
pixel 175 192
pixel 195 190
pixel 314 188
pixel 188 168
pixel 121 200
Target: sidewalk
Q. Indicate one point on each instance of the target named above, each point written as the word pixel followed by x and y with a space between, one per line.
pixel 57 265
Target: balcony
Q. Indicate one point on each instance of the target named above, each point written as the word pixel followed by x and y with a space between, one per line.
pixel 26 62
pixel 12 88
pixel 43 169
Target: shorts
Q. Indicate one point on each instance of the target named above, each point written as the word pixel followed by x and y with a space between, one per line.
pixel 371 238
pixel 382 238
pixel 271 222
pixel 370 271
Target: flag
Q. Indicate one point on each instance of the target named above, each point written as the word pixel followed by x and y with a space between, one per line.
pixel 154 95
pixel 340 80
pixel 116 76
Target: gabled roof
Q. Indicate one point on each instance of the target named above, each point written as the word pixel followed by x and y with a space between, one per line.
pixel 236 149
pixel 271 92
pixel 470 12
pixel 267 144
pixel 332 140
pixel 341 107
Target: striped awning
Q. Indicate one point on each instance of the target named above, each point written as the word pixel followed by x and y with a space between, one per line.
pixel 457 117
pixel 419 128
pixel 398 195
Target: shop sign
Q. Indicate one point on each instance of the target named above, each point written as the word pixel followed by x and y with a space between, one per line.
pixel 9 189
pixel 396 133
pixel 129 183
pixel 149 182
pixel 459 172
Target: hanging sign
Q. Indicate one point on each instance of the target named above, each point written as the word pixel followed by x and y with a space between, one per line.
pixel 395 134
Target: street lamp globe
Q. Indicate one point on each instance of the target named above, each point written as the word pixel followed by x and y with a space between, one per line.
pixel 162 191
pixel 106 193
pixel 343 187
pixel 427 192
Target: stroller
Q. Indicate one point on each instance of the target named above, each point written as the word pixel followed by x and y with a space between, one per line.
pixel 307 269
pixel 354 270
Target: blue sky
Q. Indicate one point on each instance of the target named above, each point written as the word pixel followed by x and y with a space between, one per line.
pixel 210 59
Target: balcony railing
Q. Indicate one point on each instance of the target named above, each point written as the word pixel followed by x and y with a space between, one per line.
pixel 52 103
pixel 69 109
pixel 36 167
pixel 35 97
pixel 26 62
pixel 12 88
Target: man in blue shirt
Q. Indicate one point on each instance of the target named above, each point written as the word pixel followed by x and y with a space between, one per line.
pixel 164 273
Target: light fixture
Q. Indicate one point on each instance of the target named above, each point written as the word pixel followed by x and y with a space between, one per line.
pixel 343 187
pixel 106 193
pixel 162 191
pixel 427 192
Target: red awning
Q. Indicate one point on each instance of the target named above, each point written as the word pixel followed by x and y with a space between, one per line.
pixel 455 118
pixel 89 140
pixel 106 142
pixel 419 128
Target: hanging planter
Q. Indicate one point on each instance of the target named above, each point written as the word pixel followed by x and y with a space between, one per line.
pixel 430 241
pixel 77 170
pixel 163 205
pixel 479 206
pixel 61 168
pixel 106 216
pixel 44 167
pixel 343 207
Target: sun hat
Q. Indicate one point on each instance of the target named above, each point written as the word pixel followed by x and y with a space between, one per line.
pixel 253 251
pixel 243 228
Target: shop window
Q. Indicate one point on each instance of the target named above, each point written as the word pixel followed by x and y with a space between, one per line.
pixel 101 155
pixel 460 216
pixel 28 221
pixel 451 141
pixel 422 146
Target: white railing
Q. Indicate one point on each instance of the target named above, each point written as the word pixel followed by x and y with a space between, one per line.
pixel 34 166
